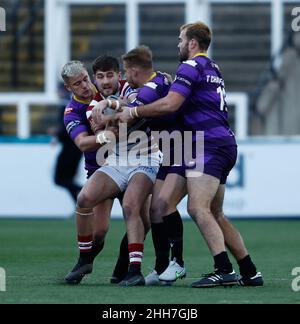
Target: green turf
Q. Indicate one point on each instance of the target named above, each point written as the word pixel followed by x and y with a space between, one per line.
pixel 36 255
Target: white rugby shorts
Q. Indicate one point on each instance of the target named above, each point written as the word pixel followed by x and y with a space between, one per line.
pixel 122 175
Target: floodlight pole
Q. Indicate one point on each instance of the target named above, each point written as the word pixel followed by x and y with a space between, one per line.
pixel 132 25
pixel 277 22
pixel 198 10
pixel 50 48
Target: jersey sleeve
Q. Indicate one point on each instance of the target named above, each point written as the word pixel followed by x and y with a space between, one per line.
pixel 147 94
pixel 74 123
pixel 186 76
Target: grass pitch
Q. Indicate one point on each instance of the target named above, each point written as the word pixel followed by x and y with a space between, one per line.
pixel 37 254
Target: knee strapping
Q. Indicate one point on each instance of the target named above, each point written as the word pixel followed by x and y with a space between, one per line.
pixel 84 211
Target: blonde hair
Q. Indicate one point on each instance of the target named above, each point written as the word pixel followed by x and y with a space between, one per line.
pixel 71 69
pixel 140 56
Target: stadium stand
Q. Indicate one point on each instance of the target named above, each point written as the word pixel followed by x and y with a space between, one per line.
pixel 241 47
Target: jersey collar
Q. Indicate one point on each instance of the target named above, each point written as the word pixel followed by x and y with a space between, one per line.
pixel 151 77
pixel 85 102
pixel 200 54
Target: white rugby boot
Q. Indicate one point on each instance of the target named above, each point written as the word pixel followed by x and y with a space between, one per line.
pixel 173 272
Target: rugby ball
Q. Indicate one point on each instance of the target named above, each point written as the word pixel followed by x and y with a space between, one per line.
pixel 108 111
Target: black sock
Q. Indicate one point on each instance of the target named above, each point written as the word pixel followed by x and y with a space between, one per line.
pixel 123 259
pixel 86 257
pixel 174 228
pixel 247 267
pixel 222 263
pixel 161 247
pixel 135 268
pixel 123 252
pixel 97 248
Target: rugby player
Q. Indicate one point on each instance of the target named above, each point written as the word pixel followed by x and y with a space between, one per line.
pixel 200 82
pixel 151 86
pixel 78 82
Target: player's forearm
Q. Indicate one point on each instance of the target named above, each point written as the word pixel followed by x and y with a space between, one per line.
pixel 161 107
pixel 155 109
pixel 87 144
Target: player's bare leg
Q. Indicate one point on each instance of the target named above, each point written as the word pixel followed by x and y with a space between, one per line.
pixel 122 264
pixel 145 214
pixel 100 227
pixel 98 188
pixel 235 243
pixel 101 221
pixel 84 266
pixel 232 237
pixel 133 202
pixel 201 192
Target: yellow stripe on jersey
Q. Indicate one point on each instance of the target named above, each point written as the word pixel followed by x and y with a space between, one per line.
pixel 85 102
pixel 152 77
pixel 200 54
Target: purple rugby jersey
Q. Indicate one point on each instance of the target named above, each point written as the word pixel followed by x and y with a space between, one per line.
pixel 200 81
pixel 156 88
pixel 76 123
